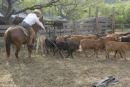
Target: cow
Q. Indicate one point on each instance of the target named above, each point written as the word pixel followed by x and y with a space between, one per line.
pixel 121 47
pixel 76 38
pixel 124 39
pixel 40 42
pixel 69 46
pixel 50 44
pixel 92 44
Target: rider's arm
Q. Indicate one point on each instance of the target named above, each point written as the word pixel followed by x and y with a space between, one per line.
pixel 39 23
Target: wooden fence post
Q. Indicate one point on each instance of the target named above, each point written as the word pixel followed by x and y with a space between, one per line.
pixel 113 19
pixel 96 13
pixel 74 28
pixel 55 30
pixel 89 12
pixel 105 11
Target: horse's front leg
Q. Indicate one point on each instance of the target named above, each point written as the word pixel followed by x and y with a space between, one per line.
pixel 29 50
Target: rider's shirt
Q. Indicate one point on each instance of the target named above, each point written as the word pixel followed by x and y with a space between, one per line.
pixel 32 19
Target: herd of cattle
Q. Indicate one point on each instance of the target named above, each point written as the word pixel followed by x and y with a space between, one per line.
pixel 118 43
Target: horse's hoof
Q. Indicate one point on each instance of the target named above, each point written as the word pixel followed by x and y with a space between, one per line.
pixel 7 64
pixel 28 57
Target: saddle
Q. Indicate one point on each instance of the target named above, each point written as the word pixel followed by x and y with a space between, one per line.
pixel 26 32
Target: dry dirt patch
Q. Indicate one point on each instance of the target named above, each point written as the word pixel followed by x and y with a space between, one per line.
pixel 46 71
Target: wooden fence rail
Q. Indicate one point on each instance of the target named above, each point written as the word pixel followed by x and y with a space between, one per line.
pixel 86 26
pixel 95 24
pixel 3 29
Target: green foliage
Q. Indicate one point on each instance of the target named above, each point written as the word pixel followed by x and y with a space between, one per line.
pixel 67 5
pixel 110 1
pixel 28 3
pixel 122 10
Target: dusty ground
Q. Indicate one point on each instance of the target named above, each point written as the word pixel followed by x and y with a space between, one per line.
pixel 42 71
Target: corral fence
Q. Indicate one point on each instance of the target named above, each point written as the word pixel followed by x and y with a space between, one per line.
pixel 91 25
pixel 2 31
pixel 95 25
pixel 3 28
pixel 122 28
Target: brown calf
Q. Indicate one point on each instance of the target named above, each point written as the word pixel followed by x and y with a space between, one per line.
pixel 121 47
pixel 92 44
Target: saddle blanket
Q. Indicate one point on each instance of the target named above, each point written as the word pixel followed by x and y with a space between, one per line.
pixel 22 28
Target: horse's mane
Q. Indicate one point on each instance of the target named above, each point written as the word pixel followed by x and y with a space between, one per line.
pixel 36 26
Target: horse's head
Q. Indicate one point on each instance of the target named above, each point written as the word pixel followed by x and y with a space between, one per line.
pixel 41 20
pixel 36 26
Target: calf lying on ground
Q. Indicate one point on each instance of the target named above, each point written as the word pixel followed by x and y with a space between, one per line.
pixel 69 46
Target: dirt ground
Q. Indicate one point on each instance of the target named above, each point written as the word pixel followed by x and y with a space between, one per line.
pixel 47 71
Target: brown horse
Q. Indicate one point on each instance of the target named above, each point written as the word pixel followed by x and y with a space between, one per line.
pixel 16 36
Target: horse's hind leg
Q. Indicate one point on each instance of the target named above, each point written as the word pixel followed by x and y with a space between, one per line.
pixel 18 47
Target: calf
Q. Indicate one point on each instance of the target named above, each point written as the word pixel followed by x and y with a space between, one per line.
pixel 60 38
pixel 121 47
pixel 124 39
pixel 50 44
pixel 69 46
pixel 112 37
pixel 92 44
pixel 40 42
pixel 76 38
pixel 126 34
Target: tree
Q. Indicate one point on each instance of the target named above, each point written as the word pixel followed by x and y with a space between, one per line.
pixel 7 7
pixel 67 7
pixel 110 1
pixel 75 9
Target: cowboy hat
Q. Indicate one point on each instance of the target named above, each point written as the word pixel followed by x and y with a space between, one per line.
pixel 37 11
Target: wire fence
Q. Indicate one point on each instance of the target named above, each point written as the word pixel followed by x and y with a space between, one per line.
pixel 123 28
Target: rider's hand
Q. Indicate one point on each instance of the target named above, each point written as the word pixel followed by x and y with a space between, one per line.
pixel 44 30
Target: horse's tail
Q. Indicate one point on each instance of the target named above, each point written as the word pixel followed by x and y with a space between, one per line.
pixel 7 38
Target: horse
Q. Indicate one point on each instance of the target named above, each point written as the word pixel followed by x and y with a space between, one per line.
pixel 15 35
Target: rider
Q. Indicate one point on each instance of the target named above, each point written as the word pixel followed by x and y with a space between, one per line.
pixel 31 19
